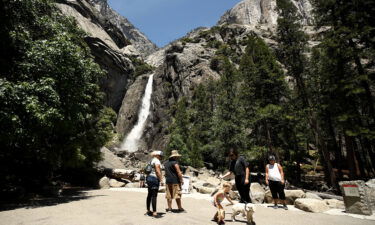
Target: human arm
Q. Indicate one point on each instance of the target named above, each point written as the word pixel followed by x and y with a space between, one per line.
pixel 247 175
pixel 229 199
pixel 281 173
pixel 226 175
pixel 267 175
pixel 179 173
pixel 158 173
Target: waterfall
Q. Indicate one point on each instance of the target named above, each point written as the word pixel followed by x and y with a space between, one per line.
pixel 131 141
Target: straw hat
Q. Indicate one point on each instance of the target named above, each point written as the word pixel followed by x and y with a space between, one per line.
pixel 174 154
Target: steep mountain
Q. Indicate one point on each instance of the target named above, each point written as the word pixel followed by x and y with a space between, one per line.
pixel 112 49
pixel 262 12
pixel 187 62
pixel 140 42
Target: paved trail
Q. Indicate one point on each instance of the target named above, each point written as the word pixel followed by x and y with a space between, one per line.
pixel 113 207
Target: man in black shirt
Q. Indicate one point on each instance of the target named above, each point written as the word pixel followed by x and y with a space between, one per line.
pixel 240 168
pixel 174 181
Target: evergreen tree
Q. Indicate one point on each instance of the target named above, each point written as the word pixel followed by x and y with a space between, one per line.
pixel 346 56
pixel 263 89
pixel 51 112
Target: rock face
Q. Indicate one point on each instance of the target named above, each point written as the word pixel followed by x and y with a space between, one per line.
pixel 311 205
pixel 185 64
pixel 140 42
pixel 131 104
pixel 262 12
pixel 105 41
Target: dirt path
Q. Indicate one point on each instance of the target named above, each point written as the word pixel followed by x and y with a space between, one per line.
pixel 115 207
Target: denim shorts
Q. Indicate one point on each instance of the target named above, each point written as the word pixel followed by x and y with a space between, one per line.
pixel 152 182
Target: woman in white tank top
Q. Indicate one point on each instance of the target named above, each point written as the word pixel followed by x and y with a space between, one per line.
pixel 275 180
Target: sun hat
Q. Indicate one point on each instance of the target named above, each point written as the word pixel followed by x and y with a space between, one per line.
pixel 154 153
pixel 174 153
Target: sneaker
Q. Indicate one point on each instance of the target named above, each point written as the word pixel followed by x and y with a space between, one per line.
pixel 285 207
pixel 148 213
pixel 275 207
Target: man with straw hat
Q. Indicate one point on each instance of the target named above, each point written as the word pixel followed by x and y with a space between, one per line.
pixel 174 181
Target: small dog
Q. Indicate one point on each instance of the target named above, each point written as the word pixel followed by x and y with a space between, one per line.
pixel 247 210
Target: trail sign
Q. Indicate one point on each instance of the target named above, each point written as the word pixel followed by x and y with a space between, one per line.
pixel 351 190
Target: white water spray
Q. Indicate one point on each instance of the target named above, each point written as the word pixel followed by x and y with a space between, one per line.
pixel 131 141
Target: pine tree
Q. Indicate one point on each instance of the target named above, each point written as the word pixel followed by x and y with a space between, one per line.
pixel 346 54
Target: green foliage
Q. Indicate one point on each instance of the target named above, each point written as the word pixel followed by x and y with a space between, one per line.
pixel 51 111
pixel 223 114
pixel 140 67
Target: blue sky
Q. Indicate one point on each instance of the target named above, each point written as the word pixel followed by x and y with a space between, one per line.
pixel 163 21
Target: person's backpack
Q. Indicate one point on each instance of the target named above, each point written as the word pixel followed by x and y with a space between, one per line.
pixel 148 168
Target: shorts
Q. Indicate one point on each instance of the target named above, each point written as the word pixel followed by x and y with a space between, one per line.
pixel 277 189
pixel 173 191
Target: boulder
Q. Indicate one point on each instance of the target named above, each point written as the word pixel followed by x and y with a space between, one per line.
pixel 370 191
pixel 356 198
pixel 203 188
pixel 257 193
pixel 104 183
pixel 290 196
pixel 313 196
pixel 335 204
pixel 191 171
pixel 123 174
pixel 109 160
pixel 116 184
pixel 132 185
pixel 311 205
pixel 206 190
pixel 234 195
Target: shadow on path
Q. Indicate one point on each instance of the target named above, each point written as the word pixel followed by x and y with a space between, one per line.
pixel 66 196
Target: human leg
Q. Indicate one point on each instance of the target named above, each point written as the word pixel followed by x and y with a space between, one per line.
pixel 281 194
pixel 274 191
pixel 154 197
pixel 148 200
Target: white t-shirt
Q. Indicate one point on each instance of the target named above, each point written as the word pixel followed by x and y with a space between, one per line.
pixel 274 172
pixel 155 161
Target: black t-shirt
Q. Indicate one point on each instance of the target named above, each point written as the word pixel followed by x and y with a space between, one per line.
pixel 171 176
pixel 238 166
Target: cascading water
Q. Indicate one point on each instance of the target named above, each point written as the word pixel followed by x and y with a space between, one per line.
pixel 131 141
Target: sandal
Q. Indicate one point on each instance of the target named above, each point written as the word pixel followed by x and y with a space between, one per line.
pixel 149 213
pixel 168 210
pixel 181 210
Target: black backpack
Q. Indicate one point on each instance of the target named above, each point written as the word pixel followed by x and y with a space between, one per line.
pixel 148 168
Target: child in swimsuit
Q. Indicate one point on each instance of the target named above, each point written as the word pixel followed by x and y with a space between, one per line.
pixel 218 198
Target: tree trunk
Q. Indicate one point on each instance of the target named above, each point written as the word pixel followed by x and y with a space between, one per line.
pixel 351 157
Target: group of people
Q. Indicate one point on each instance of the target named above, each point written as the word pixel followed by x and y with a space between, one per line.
pixel 238 167
pixel 173 182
